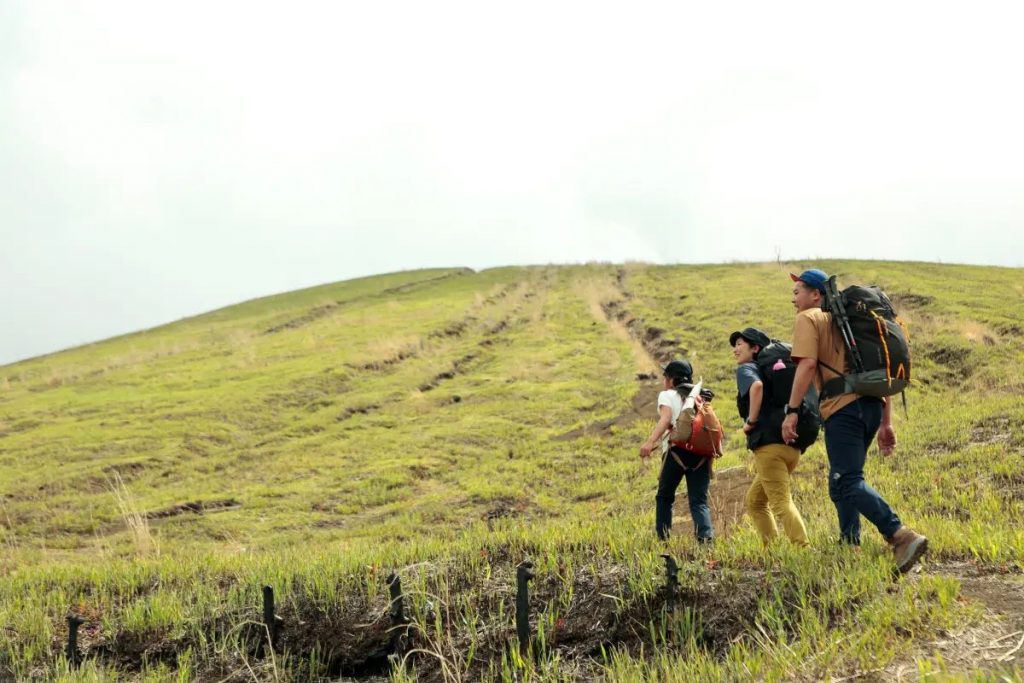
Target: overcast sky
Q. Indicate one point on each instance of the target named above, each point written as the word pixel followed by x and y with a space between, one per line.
pixel 162 159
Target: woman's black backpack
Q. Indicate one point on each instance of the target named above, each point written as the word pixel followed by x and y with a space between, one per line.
pixel 777 369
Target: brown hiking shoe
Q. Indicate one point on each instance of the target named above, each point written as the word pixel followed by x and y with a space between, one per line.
pixel 907 548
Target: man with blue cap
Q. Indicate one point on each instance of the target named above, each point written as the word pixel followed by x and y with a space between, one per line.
pixel 851 422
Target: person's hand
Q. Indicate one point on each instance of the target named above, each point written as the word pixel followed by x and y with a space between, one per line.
pixel 886 439
pixel 747 427
pixel 645 450
pixel 789 428
pixel 644 465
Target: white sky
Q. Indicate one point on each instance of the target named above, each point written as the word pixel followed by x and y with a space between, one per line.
pixel 162 159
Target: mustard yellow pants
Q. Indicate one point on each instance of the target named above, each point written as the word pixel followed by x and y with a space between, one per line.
pixel 770 496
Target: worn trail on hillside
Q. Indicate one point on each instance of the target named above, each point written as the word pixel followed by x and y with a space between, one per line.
pixel 652 347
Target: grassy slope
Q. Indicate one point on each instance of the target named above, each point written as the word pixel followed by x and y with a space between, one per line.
pixel 448 424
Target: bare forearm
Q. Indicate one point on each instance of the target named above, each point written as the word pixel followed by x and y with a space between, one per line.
pixel 802 381
pixel 756 396
pixel 886 411
pixel 660 429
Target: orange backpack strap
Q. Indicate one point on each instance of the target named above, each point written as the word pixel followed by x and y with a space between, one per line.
pixel 679 461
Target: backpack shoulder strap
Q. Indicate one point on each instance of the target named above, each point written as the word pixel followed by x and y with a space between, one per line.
pixel 823 364
pixel 833 387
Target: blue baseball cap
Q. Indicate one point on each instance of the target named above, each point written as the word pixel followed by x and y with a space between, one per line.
pixel 813 278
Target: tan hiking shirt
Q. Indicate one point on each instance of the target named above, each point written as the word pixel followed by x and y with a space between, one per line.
pixel 814 336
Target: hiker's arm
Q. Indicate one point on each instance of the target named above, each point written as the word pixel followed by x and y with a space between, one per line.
pixel 756 395
pixel 801 383
pixel 805 369
pixel 886 434
pixel 660 429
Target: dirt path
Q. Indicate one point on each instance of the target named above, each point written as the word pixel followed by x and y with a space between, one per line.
pixel 993 643
pixel 608 303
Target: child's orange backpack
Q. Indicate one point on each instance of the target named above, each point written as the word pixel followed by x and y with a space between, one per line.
pixel 699 431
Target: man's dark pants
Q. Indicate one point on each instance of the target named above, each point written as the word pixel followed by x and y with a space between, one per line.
pixel 698 478
pixel 848 434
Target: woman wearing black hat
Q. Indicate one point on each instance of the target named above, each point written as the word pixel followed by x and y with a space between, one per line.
pixel 770 495
pixel 678 462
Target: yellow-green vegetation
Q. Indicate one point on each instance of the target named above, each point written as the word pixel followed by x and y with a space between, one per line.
pixel 446 425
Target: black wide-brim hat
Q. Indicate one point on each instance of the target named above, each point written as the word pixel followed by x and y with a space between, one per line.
pixel 678 369
pixel 752 335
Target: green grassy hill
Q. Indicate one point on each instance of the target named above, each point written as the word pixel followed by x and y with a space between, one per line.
pixel 446 425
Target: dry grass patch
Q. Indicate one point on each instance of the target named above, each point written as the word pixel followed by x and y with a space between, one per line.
pixel 979 333
pixel 384 349
pixel 135 519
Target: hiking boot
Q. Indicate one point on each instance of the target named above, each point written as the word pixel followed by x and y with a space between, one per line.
pixel 907 548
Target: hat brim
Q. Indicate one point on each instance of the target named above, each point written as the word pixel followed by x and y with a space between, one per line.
pixel 820 287
pixel 685 378
pixel 753 342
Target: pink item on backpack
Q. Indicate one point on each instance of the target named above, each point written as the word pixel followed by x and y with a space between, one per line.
pixel 779 365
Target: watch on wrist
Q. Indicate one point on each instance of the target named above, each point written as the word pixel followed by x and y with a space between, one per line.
pixel 750 422
pixel 790 410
